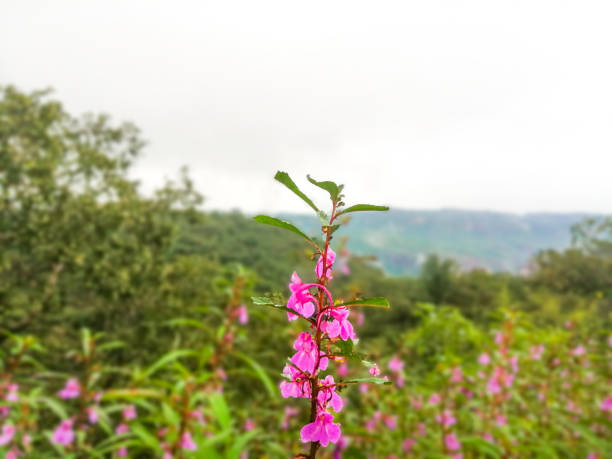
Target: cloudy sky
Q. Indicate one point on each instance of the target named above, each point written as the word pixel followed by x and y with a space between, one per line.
pixel 499 105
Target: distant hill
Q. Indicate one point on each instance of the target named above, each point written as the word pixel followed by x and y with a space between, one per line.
pixel 401 239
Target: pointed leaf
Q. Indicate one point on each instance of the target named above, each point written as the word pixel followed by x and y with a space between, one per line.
pixel 363 208
pixel 284 178
pixel 371 380
pixel 332 188
pixel 377 302
pixel 281 224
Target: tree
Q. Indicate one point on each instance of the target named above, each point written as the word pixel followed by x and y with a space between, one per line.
pixel 79 245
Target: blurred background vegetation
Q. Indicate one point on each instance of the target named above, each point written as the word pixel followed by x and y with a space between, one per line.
pixel 82 247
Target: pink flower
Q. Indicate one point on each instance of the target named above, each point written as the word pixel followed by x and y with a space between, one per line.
pixel 606 405
pixel 340 325
pixel 13 393
pixel 363 388
pixel 92 415
pixel 578 351
pixel 8 431
pixel 306 357
pixel 298 386
pixel 484 359
pixel 456 375
pixel 396 365
pixel 500 420
pixel 63 434
pixel 243 315
pixel 446 418
pixel 331 257
pixel 301 301
pixel 421 430
pixel 72 389
pixel 290 412
pixel 187 442
pixel 434 399
pixel 322 430
pixel 327 394
pixel 374 370
pixel 343 369
pixel 198 416
pixel 514 364
pixel 26 440
pixel 451 442
pixel 535 353
pixel 488 437
pixel 122 428
pixel 249 425
pixel 122 452
pixel 391 422
pixel 408 445
pixel 129 413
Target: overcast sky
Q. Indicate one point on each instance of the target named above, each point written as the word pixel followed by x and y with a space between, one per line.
pixel 498 105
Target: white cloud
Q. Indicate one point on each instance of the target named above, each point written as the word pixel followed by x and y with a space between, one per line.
pixel 474 104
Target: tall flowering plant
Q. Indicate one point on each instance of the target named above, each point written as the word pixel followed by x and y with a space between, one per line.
pixel 329 336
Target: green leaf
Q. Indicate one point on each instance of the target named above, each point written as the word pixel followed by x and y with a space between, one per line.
pixel 371 380
pixel 220 410
pixel 378 302
pixel 281 224
pixel 332 188
pixel 263 301
pixel 261 374
pixel 54 406
pixel 167 358
pixel 284 178
pixel 363 208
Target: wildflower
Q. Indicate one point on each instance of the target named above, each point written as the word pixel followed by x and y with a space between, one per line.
pixel 298 385
pixel 63 434
pixel 391 422
pixel 289 413
pixel 92 415
pixel 301 301
pixel 339 325
pixel 535 352
pixel 578 351
pixel 243 315
pixel 249 425
pixel 434 399
pixel 198 416
pixel 322 430
pixel 456 375
pixel 408 445
pixel 451 442
pixel 187 442
pixel 446 418
pixel 129 413
pixel 327 394
pixel 396 365
pixel 421 430
pixel 122 452
pixel 343 369
pixel 374 370
pixel 12 454
pixel 122 428
pixel 306 357
pixel 488 437
pixel 500 420
pixel 606 405
pixel 8 431
pixel 514 363
pixel 331 257
pixel 484 359
pixel 72 389
pixel 12 394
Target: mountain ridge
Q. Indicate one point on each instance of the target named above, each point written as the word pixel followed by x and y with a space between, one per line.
pixel 495 241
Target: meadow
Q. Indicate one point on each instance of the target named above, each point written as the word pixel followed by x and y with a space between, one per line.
pixel 140 326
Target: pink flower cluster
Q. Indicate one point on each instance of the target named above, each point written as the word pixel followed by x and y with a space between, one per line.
pixel 302 372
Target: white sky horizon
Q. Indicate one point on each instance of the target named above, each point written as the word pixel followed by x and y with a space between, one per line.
pixel 473 105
